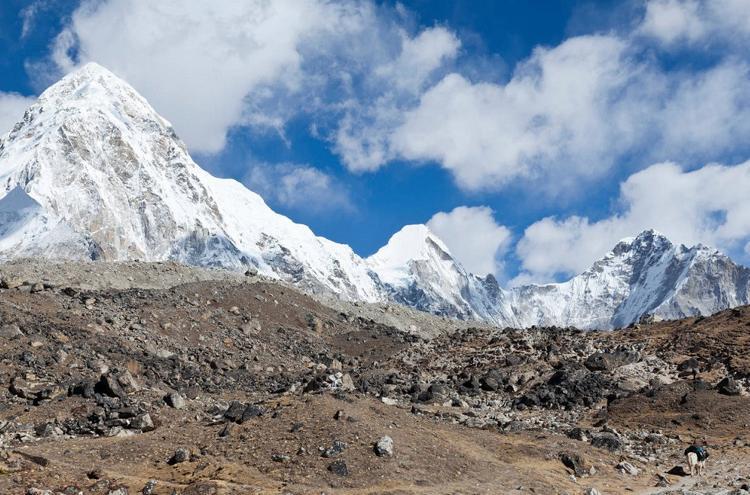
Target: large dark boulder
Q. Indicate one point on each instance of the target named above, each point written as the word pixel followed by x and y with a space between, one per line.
pixel 434 393
pixel 608 441
pixel 690 365
pixel 493 381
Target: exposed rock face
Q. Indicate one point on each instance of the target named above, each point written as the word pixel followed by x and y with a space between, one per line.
pixel 92 172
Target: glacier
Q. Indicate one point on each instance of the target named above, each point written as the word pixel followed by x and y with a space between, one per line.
pixel 93 172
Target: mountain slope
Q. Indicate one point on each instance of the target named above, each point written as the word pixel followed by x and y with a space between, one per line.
pixel 419 271
pixel 642 275
pixel 93 172
pixel 94 153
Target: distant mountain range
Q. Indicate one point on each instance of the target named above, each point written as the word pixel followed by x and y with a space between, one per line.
pixel 93 172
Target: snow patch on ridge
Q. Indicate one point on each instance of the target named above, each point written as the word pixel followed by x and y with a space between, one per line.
pixel 410 244
pixel 27 229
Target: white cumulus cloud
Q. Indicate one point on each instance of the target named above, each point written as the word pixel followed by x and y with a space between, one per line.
pixel 574 112
pixel 473 237
pixel 208 66
pixel 199 61
pixel 548 117
pixel 692 22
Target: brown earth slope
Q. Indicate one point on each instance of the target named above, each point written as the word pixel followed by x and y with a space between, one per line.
pixel 226 386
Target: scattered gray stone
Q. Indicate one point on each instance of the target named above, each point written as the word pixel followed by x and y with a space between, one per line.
pixel 337 448
pixel 574 462
pixel 142 422
pixel 384 446
pixel 10 332
pixel 608 361
pixel 347 384
pixel 578 434
pixel 729 386
pixel 492 381
pixel 690 365
pixel 234 411
pixel 607 440
pixel 335 365
pixel 252 411
pixel 36 391
pixel 109 385
pixel 149 488
pixel 628 468
pixel 127 382
pixel 226 431
pixel 339 468
pixel 175 400
pixel 180 455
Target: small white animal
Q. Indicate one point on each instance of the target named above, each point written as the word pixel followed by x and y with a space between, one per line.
pixel 696 466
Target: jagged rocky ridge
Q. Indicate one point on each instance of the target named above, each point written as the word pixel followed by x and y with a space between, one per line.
pixel 93 172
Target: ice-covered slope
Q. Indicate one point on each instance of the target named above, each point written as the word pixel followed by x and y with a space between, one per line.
pixel 95 154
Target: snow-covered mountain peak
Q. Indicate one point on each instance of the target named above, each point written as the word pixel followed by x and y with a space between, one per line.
pixel 647 241
pixel 93 172
pixel 95 88
pixel 87 80
pixel 412 246
pixel 419 271
pixel 93 152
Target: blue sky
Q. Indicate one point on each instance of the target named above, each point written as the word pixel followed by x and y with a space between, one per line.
pixel 530 135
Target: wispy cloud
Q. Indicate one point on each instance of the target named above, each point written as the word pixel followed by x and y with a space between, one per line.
pixel 12 107
pixel 298 187
pixel 29 15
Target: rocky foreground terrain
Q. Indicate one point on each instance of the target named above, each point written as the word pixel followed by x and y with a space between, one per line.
pixel 140 378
